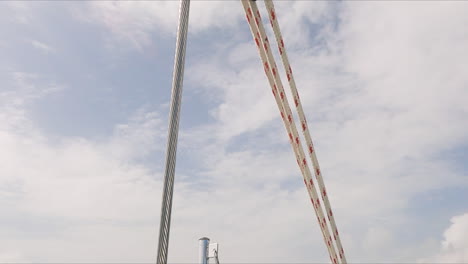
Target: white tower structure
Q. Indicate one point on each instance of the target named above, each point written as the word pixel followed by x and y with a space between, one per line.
pixel 207 251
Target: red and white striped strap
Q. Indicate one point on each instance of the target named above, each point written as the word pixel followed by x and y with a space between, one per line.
pixel 305 130
pixel 259 35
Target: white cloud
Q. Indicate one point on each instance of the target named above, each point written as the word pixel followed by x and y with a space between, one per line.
pixel 17 12
pixel 455 244
pixel 17 92
pixel 135 22
pixel 137 138
pixel 42 46
pixel 454 247
pixel 75 194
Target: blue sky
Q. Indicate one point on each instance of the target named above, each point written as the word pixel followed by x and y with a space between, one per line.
pixel 84 97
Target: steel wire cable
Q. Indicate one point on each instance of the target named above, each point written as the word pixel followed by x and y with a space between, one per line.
pixel 174 113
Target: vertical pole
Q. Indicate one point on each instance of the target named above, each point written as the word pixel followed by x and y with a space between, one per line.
pixel 203 250
pixel 173 130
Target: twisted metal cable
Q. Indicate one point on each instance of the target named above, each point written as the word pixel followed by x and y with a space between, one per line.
pixel 171 151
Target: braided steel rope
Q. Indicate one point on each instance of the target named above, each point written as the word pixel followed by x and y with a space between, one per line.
pixel 171 151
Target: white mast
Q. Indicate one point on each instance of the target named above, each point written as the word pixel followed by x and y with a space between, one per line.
pixel 203 250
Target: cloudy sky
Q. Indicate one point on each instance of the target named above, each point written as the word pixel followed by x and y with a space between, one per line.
pixel 84 98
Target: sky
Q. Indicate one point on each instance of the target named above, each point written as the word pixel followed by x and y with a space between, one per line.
pixel 84 99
